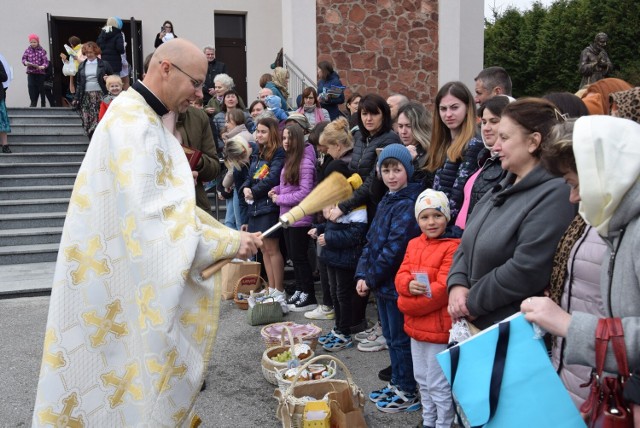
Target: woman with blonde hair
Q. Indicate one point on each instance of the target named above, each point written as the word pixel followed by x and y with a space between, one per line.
pixel 414 129
pixel 454 145
pixel 279 86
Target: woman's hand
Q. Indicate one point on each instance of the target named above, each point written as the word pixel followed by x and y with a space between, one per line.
pixel 412 150
pixel 547 314
pixel 321 240
pixel 335 213
pixel 458 302
pixel 209 110
pixel 362 288
pixel 248 194
pixel 313 233
pixel 63 57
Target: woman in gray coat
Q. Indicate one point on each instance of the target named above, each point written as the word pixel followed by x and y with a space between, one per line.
pixel 607 161
pixel 507 247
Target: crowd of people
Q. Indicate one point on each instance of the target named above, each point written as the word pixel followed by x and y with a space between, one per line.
pixel 476 207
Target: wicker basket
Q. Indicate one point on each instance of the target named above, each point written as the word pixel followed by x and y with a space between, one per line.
pixel 310 338
pixel 245 285
pixel 283 384
pixel 269 366
pixel 291 404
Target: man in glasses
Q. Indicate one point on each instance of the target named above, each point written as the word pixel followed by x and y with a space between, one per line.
pixel 131 321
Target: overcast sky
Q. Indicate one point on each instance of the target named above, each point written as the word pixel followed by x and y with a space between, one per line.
pixel 501 5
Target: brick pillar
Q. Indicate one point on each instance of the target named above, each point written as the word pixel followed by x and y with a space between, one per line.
pixel 383 46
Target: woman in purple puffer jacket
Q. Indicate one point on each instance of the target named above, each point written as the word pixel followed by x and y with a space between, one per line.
pixel 297 179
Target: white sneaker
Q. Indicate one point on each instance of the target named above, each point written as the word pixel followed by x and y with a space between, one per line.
pixel 370 334
pixel 276 293
pixel 379 344
pixel 322 312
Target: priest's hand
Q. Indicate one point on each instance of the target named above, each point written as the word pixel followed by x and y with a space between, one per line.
pixel 249 244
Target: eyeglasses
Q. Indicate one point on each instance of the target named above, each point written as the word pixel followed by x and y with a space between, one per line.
pixel 196 83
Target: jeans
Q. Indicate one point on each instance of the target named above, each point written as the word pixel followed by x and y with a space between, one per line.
pixel 35 83
pixel 239 211
pixel 343 294
pixel 297 241
pixel 230 216
pixel 392 322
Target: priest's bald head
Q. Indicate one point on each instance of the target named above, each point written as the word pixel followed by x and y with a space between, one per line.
pixel 176 74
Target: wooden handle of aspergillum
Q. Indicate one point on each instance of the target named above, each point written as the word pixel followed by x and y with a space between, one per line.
pixel 208 272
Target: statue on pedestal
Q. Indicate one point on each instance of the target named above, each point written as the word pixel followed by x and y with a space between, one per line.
pixel 594 61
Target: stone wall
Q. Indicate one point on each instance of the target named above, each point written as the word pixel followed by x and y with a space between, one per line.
pixel 383 46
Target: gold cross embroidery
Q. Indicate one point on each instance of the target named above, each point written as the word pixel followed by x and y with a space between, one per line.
pixel 182 218
pixel 107 324
pixel 146 295
pixel 78 199
pixel 167 370
pixel 133 246
pixel 165 175
pixel 199 319
pixel 87 260
pixel 179 415
pixel 53 360
pixel 123 384
pixel 64 418
pixel 123 178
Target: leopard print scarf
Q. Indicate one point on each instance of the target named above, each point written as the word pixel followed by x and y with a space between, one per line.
pixel 561 257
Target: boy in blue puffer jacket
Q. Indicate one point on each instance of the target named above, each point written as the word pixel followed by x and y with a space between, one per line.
pixel 392 228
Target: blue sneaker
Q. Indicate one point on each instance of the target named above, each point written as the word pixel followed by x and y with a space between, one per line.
pixel 400 401
pixel 382 394
pixel 338 343
pixel 326 338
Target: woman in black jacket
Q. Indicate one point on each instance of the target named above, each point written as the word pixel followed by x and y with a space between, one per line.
pixel 90 86
pixel 374 121
pixel 111 43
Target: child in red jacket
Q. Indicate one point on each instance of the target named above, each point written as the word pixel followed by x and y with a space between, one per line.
pixel 421 283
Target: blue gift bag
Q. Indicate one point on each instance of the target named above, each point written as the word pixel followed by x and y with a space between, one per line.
pixel 503 377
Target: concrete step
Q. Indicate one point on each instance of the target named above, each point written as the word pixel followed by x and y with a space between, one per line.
pixel 26 278
pixel 38 253
pixel 21 119
pixel 45 138
pixel 38 111
pixel 34 157
pixel 34 192
pixel 34 236
pixel 19 147
pixel 29 206
pixel 7 168
pixel 47 129
pixel 23 180
pixel 35 220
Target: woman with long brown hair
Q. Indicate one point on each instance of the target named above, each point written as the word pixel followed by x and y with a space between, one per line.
pixel 264 175
pixel 297 179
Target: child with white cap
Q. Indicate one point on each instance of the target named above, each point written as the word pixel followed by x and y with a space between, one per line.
pixel 421 283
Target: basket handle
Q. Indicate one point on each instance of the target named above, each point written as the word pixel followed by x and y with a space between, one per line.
pixel 235 287
pixel 315 359
pixel 292 339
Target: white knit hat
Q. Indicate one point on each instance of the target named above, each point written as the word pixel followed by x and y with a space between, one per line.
pixel 433 199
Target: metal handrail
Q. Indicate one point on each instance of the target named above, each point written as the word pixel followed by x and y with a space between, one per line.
pixel 298 80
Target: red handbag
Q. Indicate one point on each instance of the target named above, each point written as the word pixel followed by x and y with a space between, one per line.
pixel 605 407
